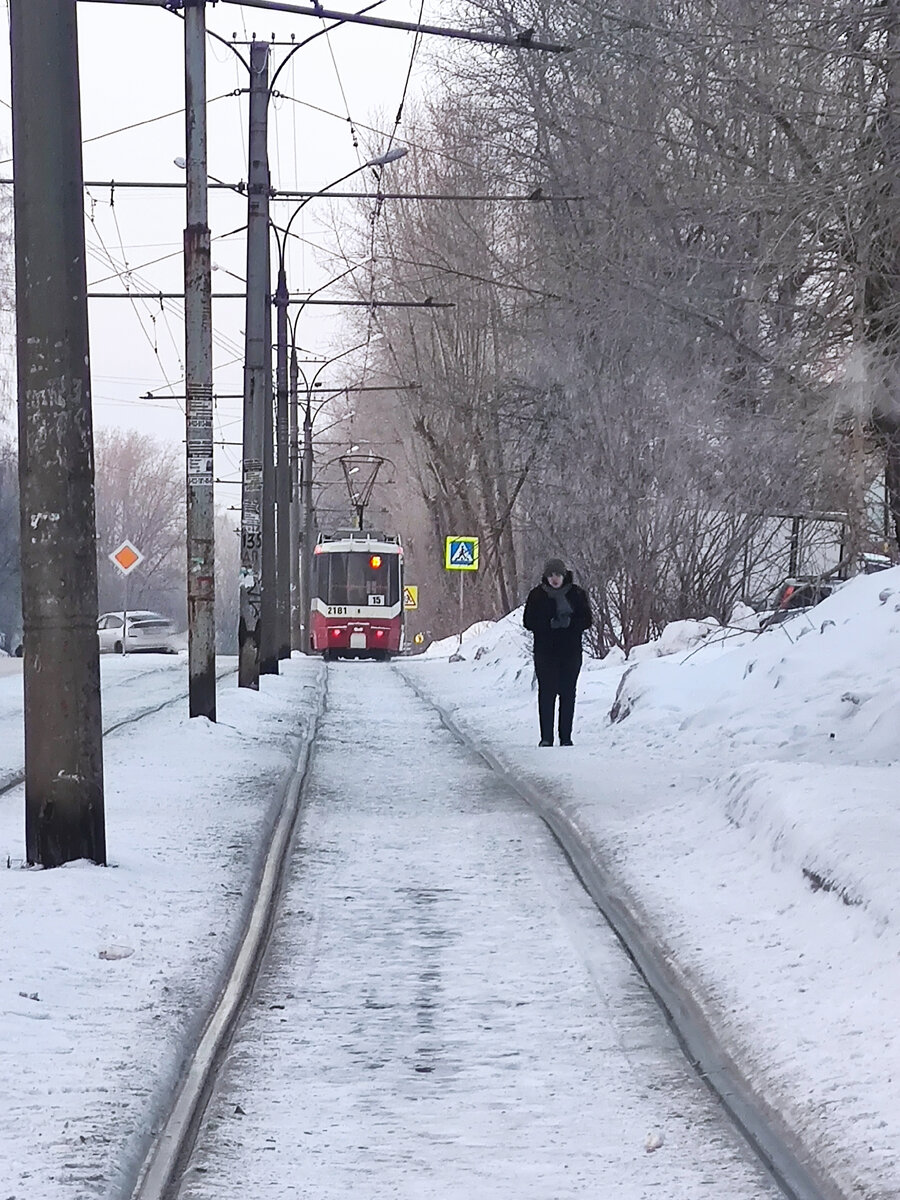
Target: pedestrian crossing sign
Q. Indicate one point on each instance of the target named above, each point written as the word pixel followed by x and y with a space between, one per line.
pixel 461 554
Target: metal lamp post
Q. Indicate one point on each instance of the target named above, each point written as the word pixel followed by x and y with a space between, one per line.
pixel 286 400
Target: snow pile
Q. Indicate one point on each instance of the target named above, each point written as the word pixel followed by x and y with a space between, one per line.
pixel 795 730
pixel 837 826
pixel 820 685
pixel 451 645
pixel 677 637
pixel 502 644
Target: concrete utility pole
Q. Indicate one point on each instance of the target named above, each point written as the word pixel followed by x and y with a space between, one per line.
pixel 257 369
pixel 309 524
pixel 297 618
pixel 64 817
pixel 268 643
pixel 286 552
pixel 201 575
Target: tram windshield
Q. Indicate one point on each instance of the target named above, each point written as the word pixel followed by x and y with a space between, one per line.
pixel 358 579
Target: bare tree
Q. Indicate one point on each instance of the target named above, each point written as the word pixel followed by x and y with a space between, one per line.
pixel 140 496
pixel 726 156
pixel 701 342
pixel 471 419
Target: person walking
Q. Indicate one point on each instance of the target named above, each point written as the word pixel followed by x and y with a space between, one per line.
pixel 557 612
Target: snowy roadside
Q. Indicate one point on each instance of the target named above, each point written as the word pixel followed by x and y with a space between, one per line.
pixel 106 973
pixel 747 806
pixel 131 684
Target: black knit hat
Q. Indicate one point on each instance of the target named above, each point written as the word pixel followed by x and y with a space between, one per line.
pixel 554 566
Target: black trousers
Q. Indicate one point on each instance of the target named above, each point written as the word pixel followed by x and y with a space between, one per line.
pixel 557 678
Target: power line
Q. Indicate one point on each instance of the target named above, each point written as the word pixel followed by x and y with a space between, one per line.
pixel 151 341
pixel 98 137
pixel 149 120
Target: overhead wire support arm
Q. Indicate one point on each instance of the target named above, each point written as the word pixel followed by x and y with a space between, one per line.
pixel 286 194
pixel 429 303
pixel 296 299
pixel 289 194
pixel 114 184
pixel 521 41
pixel 319 389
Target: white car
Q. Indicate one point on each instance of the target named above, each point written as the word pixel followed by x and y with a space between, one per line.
pixel 123 633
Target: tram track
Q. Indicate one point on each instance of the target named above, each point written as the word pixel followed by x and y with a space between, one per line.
pixel 10 781
pixel 157 1177
pixel 782 1159
pixel 792 1168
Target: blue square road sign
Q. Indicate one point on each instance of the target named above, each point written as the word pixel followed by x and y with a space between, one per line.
pixel 461 554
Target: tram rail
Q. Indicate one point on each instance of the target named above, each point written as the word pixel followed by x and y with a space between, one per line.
pixel 783 1159
pixel 159 1174
pixel 796 1174
pixel 11 780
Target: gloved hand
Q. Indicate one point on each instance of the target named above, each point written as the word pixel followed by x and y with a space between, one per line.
pixel 559 622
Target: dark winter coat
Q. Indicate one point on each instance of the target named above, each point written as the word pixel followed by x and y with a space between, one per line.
pixel 541 610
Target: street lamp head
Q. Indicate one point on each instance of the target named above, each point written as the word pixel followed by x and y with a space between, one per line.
pixel 388 157
pixel 180 163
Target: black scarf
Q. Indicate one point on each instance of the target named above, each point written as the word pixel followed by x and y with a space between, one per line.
pixel 564 609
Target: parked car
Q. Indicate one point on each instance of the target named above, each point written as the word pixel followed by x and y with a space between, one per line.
pixel 871 564
pixel 794 596
pixel 121 633
pixel 801 592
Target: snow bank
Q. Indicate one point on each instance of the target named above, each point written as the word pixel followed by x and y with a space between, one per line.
pixel 488 644
pixel 824 680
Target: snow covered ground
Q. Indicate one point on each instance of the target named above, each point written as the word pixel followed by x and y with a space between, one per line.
pixel 746 799
pixel 104 973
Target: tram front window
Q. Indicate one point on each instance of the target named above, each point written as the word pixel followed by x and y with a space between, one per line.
pixel 359 580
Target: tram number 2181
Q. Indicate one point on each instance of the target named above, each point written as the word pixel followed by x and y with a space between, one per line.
pixel 337 610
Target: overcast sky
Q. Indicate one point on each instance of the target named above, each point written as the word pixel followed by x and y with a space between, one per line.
pixel 132 86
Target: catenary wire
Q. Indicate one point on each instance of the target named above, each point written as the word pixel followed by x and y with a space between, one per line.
pixel 126 282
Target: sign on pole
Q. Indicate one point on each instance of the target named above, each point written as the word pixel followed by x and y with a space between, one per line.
pixel 126 557
pixel 461 554
pixel 410 596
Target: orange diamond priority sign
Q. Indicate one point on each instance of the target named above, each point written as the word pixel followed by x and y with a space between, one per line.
pixel 126 557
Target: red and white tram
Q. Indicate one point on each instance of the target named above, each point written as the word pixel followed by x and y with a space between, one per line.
pixel 356 597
